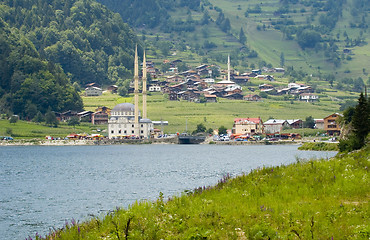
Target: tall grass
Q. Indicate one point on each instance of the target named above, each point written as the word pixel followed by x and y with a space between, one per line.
pixel 310 199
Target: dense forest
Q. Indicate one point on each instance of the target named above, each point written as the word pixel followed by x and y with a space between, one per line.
pixel 30 85
pixel 91 43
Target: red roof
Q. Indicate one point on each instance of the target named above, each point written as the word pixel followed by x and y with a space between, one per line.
pixel 255 120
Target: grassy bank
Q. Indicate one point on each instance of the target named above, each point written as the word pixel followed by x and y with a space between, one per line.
pixel 319 146
pixel 28 130
pixel 310 199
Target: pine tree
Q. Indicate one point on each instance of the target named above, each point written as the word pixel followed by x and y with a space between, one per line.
pixel 242 37
pixel 361 121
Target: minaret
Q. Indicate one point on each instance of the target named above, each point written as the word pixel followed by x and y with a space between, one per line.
pixel 144 87
pixel 136 93
pixel 228 68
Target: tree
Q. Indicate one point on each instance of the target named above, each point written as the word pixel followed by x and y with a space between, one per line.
pixel 242 37
pixel 308 38
pixel 222 130
pixel 309 123
pixel 200 128
pixel 13 119
pixel 38 118
pixel 359 124
pixel 361 121
pixel 73 121
pixel 51 119
pixel 282 59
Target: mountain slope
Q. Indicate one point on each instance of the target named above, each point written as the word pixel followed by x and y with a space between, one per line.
pixel 28 84
pixel 91 43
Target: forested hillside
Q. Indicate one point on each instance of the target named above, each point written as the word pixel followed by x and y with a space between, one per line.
pixel 91 43
pixel 28 84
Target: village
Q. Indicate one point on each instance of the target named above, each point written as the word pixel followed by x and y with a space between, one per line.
pixel 197 85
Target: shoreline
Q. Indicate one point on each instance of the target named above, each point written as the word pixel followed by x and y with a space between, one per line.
pixel 42 142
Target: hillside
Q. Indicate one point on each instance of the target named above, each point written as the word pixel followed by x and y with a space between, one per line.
pixel 309 199
pixel 90 43
pixel 28 84
pixel 317 37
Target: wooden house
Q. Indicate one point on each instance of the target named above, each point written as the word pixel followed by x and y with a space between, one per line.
pixel 331 124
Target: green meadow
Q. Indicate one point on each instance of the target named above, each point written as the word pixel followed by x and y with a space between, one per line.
pixel 180 114
pixel 309 199
pixel 29 130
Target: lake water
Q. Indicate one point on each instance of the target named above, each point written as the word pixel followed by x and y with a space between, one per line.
pixel 42 187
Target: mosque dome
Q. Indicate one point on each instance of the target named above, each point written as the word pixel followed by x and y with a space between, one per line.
pixel 124 107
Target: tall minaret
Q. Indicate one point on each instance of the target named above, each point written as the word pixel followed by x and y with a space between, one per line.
pixel 136 92
pixel 228 68
pixel 144 87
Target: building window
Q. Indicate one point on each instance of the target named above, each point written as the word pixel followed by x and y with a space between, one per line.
pixel 142 125
pixel 112 131
pixel 132 131
pixel 119 131
pixel 142 131
pixel 125 131
pixel 132 125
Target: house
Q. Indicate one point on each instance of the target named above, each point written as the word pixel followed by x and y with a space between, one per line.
pixel 295 123
pixel 100 117
pixel 93 91
pixel 247 126
pixel 104 109
pixel 308 97
pixel 239 79
pixel 112 88
pixel 319 123
pixel 85 116
pixel 331 124
pixel 209 80
pixel 252 97
pixel 279 70
pixel 210 97
pixel 65 116
pixel 172 96
pixel 275 125
pixel 155 88
pixel 257 71
pixel 234 96
pixel 175 78
pixel 224 83
pixel 92 85
pixel 265 86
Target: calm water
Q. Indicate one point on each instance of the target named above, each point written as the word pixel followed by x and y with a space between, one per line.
pixel 41 187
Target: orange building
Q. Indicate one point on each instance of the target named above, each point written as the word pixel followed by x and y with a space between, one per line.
pixel 331 124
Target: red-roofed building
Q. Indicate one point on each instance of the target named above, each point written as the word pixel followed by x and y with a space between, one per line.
pixel 247 126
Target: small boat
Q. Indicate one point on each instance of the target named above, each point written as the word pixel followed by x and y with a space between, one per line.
pixel 191 139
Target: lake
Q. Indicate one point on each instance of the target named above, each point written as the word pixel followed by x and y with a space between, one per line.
pixel 43 186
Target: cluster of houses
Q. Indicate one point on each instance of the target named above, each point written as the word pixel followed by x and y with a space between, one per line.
pixel 197 85
pixel 305 93
pixel 254 127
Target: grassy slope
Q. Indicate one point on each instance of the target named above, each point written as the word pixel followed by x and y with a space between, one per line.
pixel 323 199
pixel 24 129
pixel 270 43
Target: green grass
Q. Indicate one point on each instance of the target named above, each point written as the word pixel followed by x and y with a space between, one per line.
pixel 310 199
pixel 28 130
pixel 213 115
pixel 319 146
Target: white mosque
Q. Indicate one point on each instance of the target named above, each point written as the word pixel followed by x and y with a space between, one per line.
pixel 126 120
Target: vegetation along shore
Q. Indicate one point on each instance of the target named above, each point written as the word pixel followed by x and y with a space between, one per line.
pixel 309 199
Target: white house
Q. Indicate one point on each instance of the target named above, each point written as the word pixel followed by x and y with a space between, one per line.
pixel 308 97
pixel 93 91
pixel 275 125
pixel 155 88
